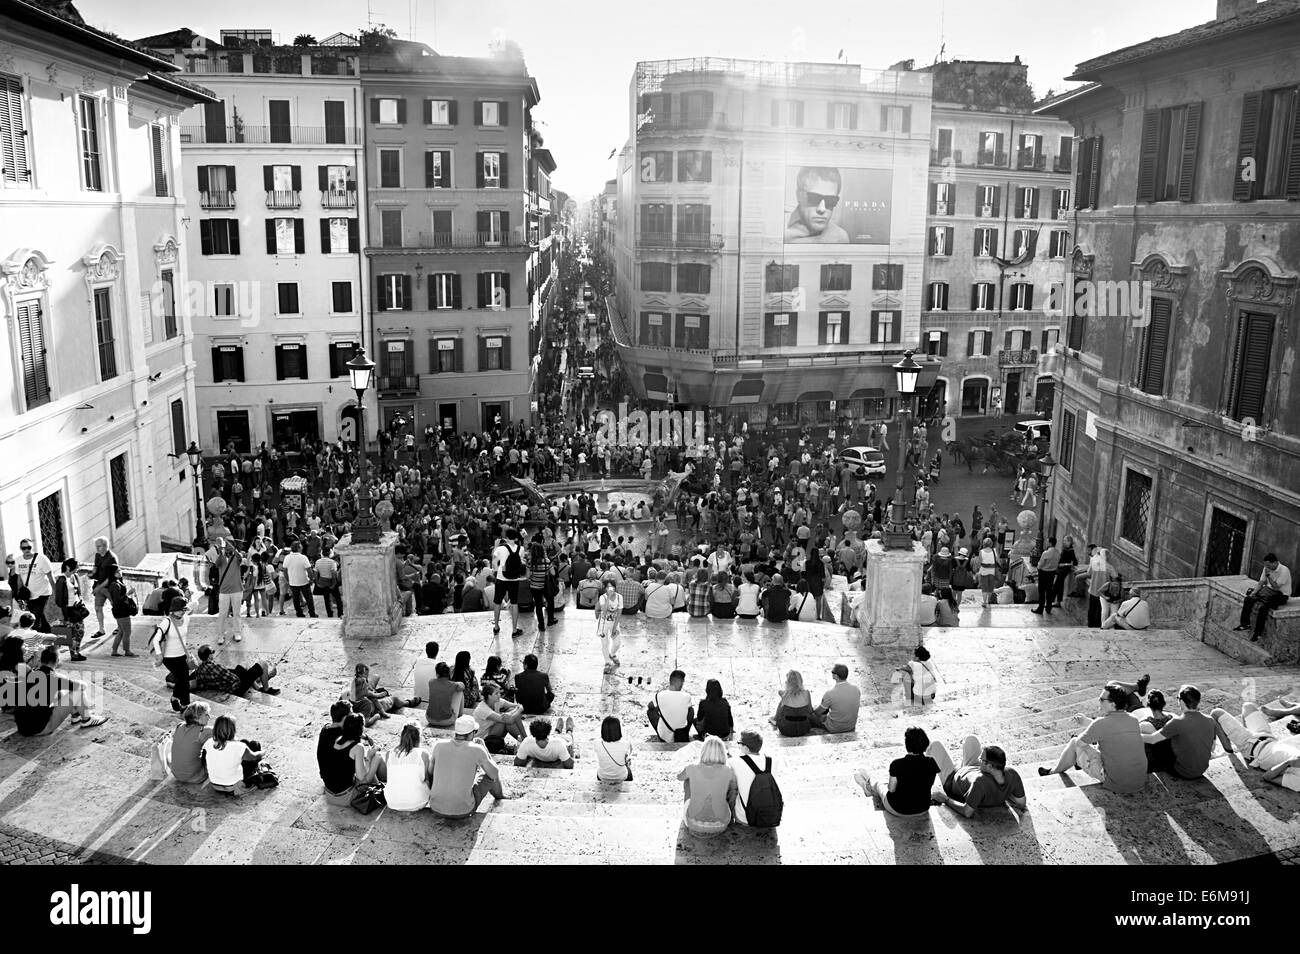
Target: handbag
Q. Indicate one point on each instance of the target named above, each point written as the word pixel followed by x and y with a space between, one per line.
pixel 1113 591
pixel 369 797
pixel 24 593
pixel 76 613
pixel 655 716
pixel 160 759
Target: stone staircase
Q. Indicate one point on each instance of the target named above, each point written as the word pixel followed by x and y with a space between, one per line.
pixel 1018 687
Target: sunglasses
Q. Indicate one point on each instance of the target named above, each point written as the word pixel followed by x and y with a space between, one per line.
pixel 816 198
pixel 25 547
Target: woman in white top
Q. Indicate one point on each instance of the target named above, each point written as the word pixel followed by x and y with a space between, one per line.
pixel 988 564
pixel 225 756
pixel 659 597
pixel 803 605
pixel 409 772
pixel 747 597
pixel 168 644
pixel 613 753
pixel 679 592
pixel 608 609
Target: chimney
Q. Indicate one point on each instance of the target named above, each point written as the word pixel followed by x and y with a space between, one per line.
pixel 1228 9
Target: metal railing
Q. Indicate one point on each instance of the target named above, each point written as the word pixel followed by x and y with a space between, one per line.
pixel 399 382
pixel 334 199
pixel 1061 164
pixel 1021 356
pixel 259 135
pixel 468 239
pixel 1036 163
pixel 988 158
pixel 283 199
pixel 850 358
pixel 680 240
pixel 217 200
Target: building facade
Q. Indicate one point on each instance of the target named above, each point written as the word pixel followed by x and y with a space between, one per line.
pixel 453 244
pixel 1178 427
pixel 769 238
pixel 99 366
pixel 997 241
pixel 278 287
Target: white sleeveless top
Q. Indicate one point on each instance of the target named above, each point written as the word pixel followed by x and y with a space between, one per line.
pixel 405 790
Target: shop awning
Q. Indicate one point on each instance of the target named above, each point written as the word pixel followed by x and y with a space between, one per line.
pixel 813 396
pixel 747 391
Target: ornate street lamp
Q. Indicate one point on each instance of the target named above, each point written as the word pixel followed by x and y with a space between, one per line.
pixel 365 529
pixel 897 536
pixel 196 462
pixel 1045 467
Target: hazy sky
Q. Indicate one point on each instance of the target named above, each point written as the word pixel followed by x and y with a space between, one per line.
pixel 582 52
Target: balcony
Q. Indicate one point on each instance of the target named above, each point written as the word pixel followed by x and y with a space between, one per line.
pixel 988 158
pixel 685 123
pixel 729 359
pixel 334 199
pixel 394 384
pixel 217 200
pixel 468 239
pixel 682 240
pixel 262 135
pixel 1024 356
pixel 939 157
pixel 1061 164
pixel 283 199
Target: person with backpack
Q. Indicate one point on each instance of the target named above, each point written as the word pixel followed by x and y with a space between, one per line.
pixel 758 798
pixel 510 573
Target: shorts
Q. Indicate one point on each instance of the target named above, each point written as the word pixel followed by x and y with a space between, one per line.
pixel 506 591
pixel 1088 759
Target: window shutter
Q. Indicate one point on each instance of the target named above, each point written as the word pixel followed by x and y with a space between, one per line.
pixel 948 239
pixel 218 374
pixel 952 200
pixel 503 113
pixel 1293 171
pixel 505 340
pixel 1033 203
pixel 445 182
pixel 1029 295
pixel 478 163
pixel 13 141
pixel 354 236
pixel 1146 191
pixel 505 227
pixel 458 359
pixel 1094 174
pixel 239 363
pixel 478 113
pixel 455 293
pixel 482 293
pixel 381 296
pixel 853 118
pixel 270 236
pixel 159 160
pixel 430 180
pixel 428 112
pixel 997 201
pixel 36 382
pixel 451 112
pixel 205 236
pixel 974 296
pixel 934 197
pixel 203 178
pixel 232 230
pixel 1155 346
pixel 830 124
pixel 374 109
pixel 975 246
pixel 502 165
pixel 897 330
pixel 1006 341
pixel 406 293
pixel 1082 175
pixel 484 222
pixel 295 174
pixel 433 342
pixel 482 347
pixel 884 118
pixel 1187 165
pixel 1246 143
pixel 505 287
pixel 299 239
pixel 230 178
pixel 1033 245
pixel 970 343
pixel 821 315
pixel 279 363
pixel 323 178
pixel 401 111
pixel 844 327
pixel 907 119
pixel 1253 353
pixel 325 236
pixel 943 344
pixel 268 178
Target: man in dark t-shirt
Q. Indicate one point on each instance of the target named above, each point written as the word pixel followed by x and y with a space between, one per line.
pixel 533 688
pixel 776 601
pixel 47 698
pixel 331 733
pixel 981 781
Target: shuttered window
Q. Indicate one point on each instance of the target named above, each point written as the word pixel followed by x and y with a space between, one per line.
pixel 494 353
pixel 227 363
pixel 14 169
pixel 161 159
pixel 1153 354
pixel 836 277
pixel 656 276
pixel 779 279
pixel 1087 179
pixel 1250 367
pixel 178 427
pixel 832 327
pixel 445 356
pixel 290 361
pixel 104 342
pixel 341 352
pixel 167 290
pixel 88 115
pixel 119 479
pixel 886 327
pixel 1065 450
pixel 694 278
pixel 1167 161
pixel 393 292
pixel 31 334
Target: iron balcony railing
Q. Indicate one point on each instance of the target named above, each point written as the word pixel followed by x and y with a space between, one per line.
pixel 283 199
pixel 680 240
pixel 1026 160
pixel 334 199
pixel 399 382
pixel 217 200
pixel 260 135
pixel 469 239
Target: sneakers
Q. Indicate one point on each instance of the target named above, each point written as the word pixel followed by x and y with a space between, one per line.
pixel 1044 770
pixel 95 720
pixel 496 629
pixel 568 725
pixel 239 638
pixel 1143 683
pixel 176 704
pixel 1037 609
pixel 77 657
pixel 1238 629
pixel 129 654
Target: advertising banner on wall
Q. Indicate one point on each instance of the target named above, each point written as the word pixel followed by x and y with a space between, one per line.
pixel 837 205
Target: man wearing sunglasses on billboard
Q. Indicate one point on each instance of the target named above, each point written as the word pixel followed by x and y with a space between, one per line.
pixel 817 190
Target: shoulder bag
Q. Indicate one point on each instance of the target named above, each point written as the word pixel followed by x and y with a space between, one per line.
pixel 24 593
pixel 655 715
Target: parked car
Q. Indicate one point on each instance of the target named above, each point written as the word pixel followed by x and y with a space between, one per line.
pixel 865 461
pixel 1038 430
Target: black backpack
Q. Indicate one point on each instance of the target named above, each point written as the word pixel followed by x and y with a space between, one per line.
pixel 763 810
pixel 514 564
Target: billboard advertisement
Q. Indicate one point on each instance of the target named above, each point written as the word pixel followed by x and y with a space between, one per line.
pixel 837 205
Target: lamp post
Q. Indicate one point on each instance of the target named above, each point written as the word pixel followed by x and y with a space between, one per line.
pixel 365 529
pixel 897 536
pixel 196 461
pixel 1045 467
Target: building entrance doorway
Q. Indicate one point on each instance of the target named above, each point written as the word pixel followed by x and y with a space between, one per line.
pixel 288 427
pixel 496 414
pixel 232 428
pixel 975 396
pixel 1013 392
pixel 446 420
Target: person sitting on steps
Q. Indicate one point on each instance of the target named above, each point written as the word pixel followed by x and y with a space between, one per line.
pixel 1273 591
pixel 981 781
pixel 544 750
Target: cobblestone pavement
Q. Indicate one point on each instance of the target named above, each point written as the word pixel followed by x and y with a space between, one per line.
pixel 18 847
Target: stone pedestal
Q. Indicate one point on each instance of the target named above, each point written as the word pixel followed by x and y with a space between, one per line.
pixel 371 606
pixel 892 604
